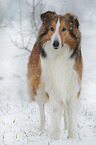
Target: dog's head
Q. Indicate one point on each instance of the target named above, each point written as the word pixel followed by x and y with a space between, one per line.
pixel 59 30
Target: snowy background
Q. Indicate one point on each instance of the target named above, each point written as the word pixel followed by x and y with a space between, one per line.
pixel 19 117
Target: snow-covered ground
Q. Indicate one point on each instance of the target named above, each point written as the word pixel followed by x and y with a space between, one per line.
pixel 19 117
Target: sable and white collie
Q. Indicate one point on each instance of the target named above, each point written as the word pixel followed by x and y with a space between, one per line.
pixel 55 70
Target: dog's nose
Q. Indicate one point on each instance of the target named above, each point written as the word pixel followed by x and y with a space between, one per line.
pixel 56 44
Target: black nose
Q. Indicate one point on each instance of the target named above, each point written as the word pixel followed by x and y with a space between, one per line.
pixel 56 44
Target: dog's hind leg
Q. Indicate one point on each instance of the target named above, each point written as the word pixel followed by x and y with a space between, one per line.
pixel 72 118
pixel 41 99
pixel 42 116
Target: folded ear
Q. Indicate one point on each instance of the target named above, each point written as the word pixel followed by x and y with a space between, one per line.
pixel 73 19
pixel 47 15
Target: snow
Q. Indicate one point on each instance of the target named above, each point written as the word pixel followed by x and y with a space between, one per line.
pixel 19 117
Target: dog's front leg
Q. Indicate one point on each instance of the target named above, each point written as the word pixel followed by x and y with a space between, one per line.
pixel 56 113
pixel 73 117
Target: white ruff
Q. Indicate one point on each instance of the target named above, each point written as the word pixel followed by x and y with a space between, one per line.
pixel 58 73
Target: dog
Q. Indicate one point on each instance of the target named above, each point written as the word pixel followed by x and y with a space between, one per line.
pixel 55 71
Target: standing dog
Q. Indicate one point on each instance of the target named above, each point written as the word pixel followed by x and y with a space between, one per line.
pixel 55 70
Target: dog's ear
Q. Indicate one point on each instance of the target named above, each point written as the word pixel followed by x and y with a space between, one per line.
pixel 47 15
pixel 72 19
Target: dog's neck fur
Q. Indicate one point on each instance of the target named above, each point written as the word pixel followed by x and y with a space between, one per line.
pixel 58 70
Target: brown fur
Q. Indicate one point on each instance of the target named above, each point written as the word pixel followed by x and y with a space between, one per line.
pixel 34 70
pixel 46 37
pixel 79 93
pixel 65 36
pixel 47 96
pixel 79 66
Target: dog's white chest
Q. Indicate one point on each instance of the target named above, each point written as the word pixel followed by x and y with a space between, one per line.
pixel 59 75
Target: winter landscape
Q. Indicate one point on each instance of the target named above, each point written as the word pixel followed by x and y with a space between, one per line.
pixel 19 117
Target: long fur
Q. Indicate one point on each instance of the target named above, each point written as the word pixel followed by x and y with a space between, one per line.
pixel 55 71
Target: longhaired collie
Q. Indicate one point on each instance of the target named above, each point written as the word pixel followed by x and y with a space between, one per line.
pixel 55 71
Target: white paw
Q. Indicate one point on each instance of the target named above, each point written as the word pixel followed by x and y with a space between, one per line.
pixel 57 134
pixel 42 127
pixel 72 134
pixel 65 127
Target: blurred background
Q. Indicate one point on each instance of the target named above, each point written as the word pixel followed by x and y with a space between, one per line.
pixel 19 25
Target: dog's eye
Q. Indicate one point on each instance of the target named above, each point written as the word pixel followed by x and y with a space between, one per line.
pixel 52 29
pixel 64 29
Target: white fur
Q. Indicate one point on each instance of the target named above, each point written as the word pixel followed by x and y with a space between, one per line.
pixel 56 35
pixel 62 85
